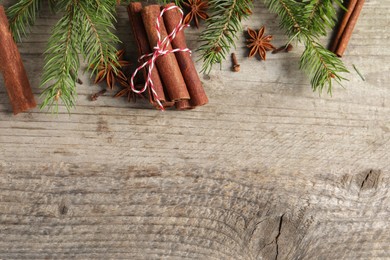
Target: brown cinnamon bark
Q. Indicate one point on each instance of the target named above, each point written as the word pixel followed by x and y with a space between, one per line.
pixel 346 27
pixel 343 23
pixel 184 105
pixel 14 73
pixel 187 67
pixel 134 12
pixel 167 64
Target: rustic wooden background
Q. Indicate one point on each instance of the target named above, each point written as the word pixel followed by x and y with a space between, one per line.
pixel 267 170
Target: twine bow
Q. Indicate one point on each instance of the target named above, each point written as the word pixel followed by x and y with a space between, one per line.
pixel 160 49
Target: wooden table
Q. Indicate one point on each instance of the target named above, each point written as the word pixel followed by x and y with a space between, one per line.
pixel 267 170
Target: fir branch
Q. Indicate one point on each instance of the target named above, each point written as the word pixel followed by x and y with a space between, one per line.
pixel 62 61
pixel 320 15
pixel 85 28
pixel 88 26
pixel 98 41
pixel 221 30
pixel 22 16
pixel 305 21
pixel 321 65
pixel 289 16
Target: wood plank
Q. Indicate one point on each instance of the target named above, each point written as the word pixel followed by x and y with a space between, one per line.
pixel 267 170
pixel 107 211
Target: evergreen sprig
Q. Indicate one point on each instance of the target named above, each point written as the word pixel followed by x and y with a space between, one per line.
pixel 221 29
pixel 22 16
pixel 85 29
pixel 321 65
pixel 62 61
pixel 97 40
pixel 320 16
pixel 305 21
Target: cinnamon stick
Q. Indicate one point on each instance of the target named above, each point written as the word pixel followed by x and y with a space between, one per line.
pixel 167 64
pixel 346 27
pixel 184 105
pixel 343 23
pixel 134 11
pixel 12 68
pixel 187 67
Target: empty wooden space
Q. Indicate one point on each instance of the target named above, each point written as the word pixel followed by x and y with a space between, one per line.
pixel 267 170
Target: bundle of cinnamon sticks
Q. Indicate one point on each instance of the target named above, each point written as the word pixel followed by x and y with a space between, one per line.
pixel 346 27
pixel 174 77
pixel 12 68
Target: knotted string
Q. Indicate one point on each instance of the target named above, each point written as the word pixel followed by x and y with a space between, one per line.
pixel 160 49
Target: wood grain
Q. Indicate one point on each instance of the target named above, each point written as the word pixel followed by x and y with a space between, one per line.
pixel 267 170
pixel 105 211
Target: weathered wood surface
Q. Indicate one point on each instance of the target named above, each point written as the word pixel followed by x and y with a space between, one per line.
pixel 267 170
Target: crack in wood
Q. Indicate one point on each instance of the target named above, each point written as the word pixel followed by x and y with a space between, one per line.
pixel 277 237
pixel 365 179
pixel 369 180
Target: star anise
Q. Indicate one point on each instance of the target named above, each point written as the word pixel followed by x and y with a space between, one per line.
pixel 127 91
pixel 198 9
pixel 108 73
pixel 258 43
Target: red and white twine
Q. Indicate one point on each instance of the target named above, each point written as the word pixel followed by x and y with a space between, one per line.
pixel 160 49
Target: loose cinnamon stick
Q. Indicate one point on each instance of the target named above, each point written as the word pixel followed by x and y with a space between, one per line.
pixel 187 67
pixel 167 64
pixel 343 23
pixel 14 73
pixel 354 9
pixel 134 12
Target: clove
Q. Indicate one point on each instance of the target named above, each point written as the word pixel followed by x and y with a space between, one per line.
pixel 236 66
pixel 79 81
pixel 95 96
pixel 285 48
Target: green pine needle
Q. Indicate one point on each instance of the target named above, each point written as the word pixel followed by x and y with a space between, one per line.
pixel 22 16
